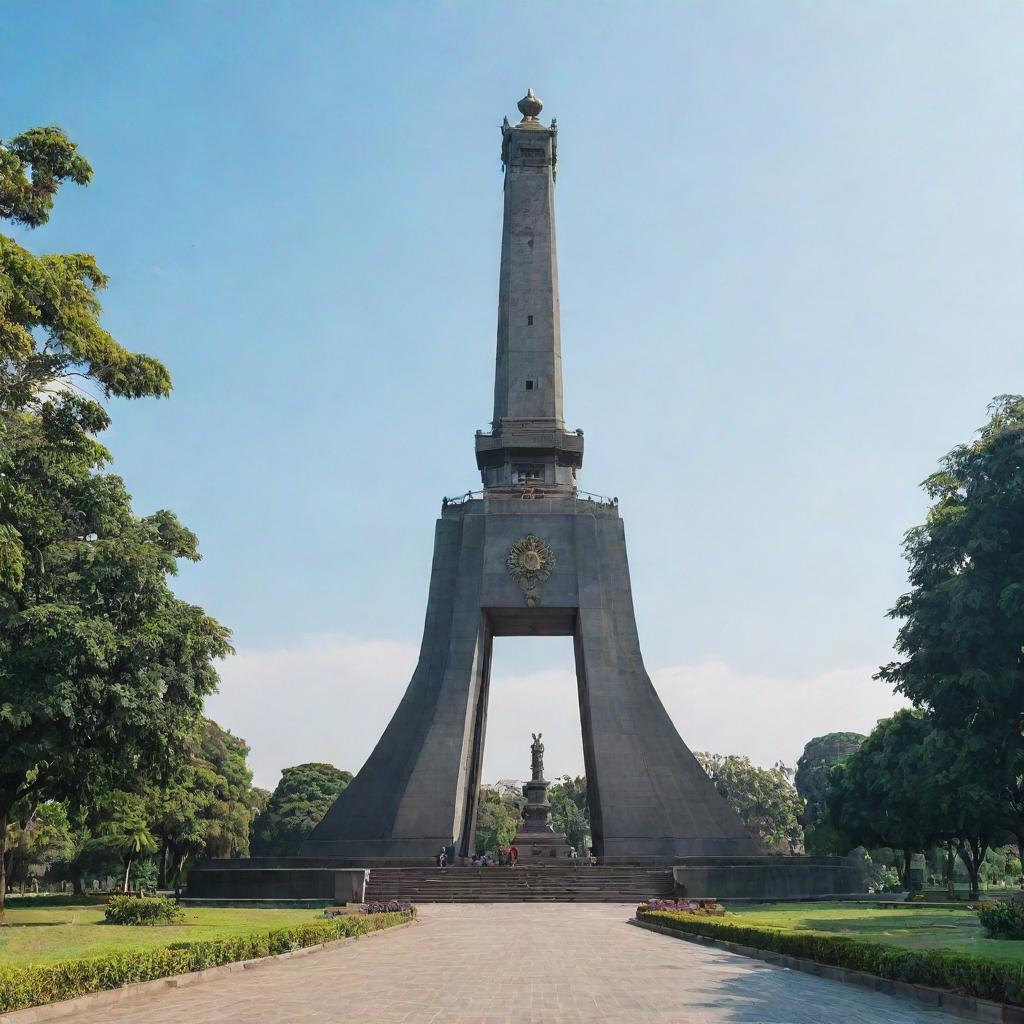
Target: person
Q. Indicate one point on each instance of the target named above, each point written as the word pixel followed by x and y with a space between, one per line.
pixel 442 858
pixel 513 855
pixel 573 855
pixel 476 860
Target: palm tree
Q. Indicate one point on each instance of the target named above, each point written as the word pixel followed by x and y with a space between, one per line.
pixel 126 832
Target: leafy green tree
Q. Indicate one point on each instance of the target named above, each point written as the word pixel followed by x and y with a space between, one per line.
pixel 296 807
pixel 570 813
pixel 231 812
pixel 764 798
pixel 962 633
pixel 820 756
pixel 207 805
pixel 967 809
pixel 884 793
pixel 497 818
pixel 125 831
pixel 41 835
pixel 102 670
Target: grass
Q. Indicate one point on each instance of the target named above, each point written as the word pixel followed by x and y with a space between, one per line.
pixel 43 935
pixel 912 928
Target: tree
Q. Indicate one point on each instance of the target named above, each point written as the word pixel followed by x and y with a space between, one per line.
pixel 40 835
pixel 497 819
pixel 230 812
pixel 207 805
pixel 570 813
pixel 884 793
pixel 820 755
pixel 126 831
pixel 296 807
pixel 764 798
pixel 962 632
pixel 102 670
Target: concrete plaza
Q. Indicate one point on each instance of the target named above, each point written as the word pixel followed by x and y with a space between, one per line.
pixel 518 964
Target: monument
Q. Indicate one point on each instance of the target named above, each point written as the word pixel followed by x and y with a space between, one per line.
pixel 529 555
pixel 536 840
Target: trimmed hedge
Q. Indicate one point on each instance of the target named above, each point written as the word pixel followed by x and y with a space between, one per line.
pixel 142 910
pixel 21 987
pixel 1001 981
pixel 14 901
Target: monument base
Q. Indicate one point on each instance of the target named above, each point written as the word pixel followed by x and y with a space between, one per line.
pixel 541 847
pixel 330 880
pixel 277 878
pixel 766 877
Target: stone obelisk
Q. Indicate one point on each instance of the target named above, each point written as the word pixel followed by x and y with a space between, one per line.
pixel 529 556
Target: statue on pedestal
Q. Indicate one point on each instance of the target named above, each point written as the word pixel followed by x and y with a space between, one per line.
pixel 536 840
pixel 537 757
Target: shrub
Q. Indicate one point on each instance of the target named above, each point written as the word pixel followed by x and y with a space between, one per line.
pixel 1003 920
pixel 999 980
pixel 21 987
pixel 141 910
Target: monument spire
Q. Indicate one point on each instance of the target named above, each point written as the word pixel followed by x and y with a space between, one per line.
pixel 528 445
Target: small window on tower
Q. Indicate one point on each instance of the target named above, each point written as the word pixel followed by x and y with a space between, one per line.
pixel 528 474
pixel 529 385
pixel 529 321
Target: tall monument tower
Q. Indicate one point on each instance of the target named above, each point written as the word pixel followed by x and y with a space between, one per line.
pixel 528 556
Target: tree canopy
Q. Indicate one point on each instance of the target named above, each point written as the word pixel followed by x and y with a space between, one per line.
pixel 570 813
pixel 764 798
pixel 103 671
pixel 296 807
pixel 962 635
pixel 497 818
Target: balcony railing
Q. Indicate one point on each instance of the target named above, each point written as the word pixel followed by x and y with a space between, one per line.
pixel 532 492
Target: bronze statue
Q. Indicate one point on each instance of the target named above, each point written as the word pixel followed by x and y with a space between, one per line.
pixel 537 757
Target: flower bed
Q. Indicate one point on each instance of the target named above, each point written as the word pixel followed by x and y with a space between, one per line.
pixel 21 987
pixel 390 907
pixel 706 908
pixel 1002 981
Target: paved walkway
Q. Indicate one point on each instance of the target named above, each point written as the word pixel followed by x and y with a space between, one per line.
pixel 519 964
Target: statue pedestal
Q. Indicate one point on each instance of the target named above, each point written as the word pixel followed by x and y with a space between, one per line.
pixel 536 840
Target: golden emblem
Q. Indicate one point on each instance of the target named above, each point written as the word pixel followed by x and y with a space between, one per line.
pixel 530 562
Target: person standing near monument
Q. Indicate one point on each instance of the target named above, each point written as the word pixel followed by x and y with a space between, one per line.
pixel 513 855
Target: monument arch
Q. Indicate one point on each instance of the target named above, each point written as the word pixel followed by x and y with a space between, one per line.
pixel 529 555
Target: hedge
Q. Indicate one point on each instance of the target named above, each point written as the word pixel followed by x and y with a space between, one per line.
pixel 1001 981
pixel 34 985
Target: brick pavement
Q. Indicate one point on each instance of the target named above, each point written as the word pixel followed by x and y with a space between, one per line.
pixel 518 964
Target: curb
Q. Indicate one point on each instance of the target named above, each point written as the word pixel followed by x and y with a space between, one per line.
pixel 143 989
pixel 966 1006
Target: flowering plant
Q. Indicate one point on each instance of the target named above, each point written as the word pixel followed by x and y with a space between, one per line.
pixel 708 908
pixel 390 907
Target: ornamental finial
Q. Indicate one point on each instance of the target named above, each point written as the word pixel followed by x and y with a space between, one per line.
pixel 530 106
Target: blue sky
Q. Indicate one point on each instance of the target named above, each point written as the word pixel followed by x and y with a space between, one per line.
pixel 790 243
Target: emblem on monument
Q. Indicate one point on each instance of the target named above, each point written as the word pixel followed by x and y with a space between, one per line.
pixel 530 563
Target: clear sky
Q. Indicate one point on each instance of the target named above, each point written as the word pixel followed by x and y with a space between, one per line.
pixel 790 240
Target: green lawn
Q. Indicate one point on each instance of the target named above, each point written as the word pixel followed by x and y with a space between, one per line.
pixel 912 928
pixel 46 934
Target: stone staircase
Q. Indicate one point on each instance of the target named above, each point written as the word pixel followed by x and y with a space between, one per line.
pixel 524 883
